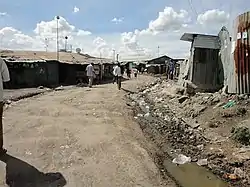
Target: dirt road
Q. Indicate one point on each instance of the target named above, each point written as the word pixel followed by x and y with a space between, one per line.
pixel 88 136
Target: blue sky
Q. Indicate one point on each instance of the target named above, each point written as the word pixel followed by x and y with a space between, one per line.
pixel 95 16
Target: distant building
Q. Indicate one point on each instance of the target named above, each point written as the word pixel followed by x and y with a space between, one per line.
pixel 38 68
pixel 160 60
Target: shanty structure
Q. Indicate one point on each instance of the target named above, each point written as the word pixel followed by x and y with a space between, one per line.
pixel 38 68
pixel 157 65
pixel 160 60
pixel 204 67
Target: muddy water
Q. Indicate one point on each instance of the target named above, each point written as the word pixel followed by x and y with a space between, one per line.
pixel 187 175
pixel 192 175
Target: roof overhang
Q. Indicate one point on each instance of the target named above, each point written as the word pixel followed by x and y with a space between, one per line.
pixel 187 37
pixel 190 36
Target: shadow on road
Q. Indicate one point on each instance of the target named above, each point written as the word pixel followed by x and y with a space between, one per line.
pixel 22 174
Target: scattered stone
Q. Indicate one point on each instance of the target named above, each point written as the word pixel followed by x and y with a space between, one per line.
pixel 244 150
pixel 182 99
pixel 179 90
pixel 241 111
pixel 59 88
pixel 8 102
pixel 220 104
pixel 139 115
pixel 195 125
pixel 200 147
pixel 212 124
pixel 241 135
pixel 28 153
pixel 238 172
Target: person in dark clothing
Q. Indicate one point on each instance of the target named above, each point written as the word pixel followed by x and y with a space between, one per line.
pixel 128 73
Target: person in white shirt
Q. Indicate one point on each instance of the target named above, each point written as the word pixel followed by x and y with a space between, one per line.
pixel 135 71
pixel 4 77
pixel 90 74
pixel 118 74
pixel 114 74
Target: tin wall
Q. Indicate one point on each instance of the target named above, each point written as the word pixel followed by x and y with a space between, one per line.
pixel 240 55
pixel 207 69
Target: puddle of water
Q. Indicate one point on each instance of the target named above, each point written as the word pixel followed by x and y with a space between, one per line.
pixel 188 175
pixel 192 175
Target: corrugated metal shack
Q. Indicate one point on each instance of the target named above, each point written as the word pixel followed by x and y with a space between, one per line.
pixel 205 68
pixel 36 68
pixel 157 65
pixel 33 73
pixel 239 73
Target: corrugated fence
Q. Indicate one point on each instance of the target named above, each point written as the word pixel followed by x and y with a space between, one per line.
pixel 241 50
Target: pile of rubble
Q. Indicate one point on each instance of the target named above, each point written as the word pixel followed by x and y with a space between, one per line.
pixel 177 118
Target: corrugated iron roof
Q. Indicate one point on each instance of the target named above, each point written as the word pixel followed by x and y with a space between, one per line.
pixel 190 36
pixel 65 57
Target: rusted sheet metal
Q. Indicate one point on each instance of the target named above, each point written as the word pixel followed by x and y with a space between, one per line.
pixel 241 53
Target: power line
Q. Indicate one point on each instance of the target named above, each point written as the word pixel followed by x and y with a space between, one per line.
pixel 192 7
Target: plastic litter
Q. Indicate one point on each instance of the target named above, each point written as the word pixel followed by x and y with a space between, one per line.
pixel 202 162
pixel 181 159
pixel 229 104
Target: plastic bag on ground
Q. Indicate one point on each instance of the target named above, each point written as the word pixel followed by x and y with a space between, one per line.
pixel 181 159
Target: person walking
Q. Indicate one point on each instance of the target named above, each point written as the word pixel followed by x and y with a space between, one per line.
pixel 4 77
pixel 171 69
pixel 114 74
pixel 118 73
pixel 135 72
pixel 90 74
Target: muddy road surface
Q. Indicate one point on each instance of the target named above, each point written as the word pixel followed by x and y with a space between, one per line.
pixel 78 138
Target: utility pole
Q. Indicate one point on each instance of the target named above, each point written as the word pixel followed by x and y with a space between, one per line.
pixel 158 51
pixel 46 44
pixel 66 39
pixel 57 37
pixel 114 55
pixel 117 57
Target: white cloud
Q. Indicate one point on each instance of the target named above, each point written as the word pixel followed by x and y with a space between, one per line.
pixel 83 33
pixel 213 17
pixel 76 9
pixel 168 20
pixel 14 39
pixel 3 14
pixel 117 20
pixel 165 31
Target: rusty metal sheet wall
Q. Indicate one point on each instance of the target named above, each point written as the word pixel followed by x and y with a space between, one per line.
pixel 241 50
